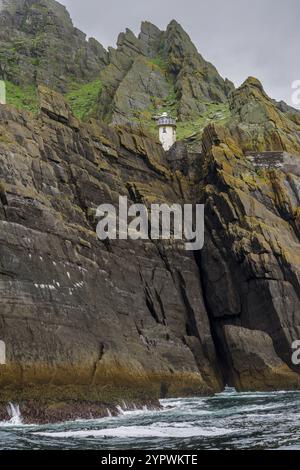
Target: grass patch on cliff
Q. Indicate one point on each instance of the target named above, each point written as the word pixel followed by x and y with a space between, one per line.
pixel 83 98
pixel 189 130
pixel 145 117
pixel 218 113
pixel 159 62
pixel 22 97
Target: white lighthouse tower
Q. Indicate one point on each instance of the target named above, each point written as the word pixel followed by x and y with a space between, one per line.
pixel 167 130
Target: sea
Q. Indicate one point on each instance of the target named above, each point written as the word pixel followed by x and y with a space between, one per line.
pixel 226 421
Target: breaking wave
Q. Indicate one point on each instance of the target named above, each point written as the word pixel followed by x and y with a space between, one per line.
pixel 225 421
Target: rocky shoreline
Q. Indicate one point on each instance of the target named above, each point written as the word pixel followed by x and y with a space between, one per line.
pixel 39 413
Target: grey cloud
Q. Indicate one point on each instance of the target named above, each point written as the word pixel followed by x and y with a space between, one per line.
pixel 240 37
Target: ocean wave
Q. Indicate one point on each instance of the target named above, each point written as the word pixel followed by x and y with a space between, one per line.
pixel 125 432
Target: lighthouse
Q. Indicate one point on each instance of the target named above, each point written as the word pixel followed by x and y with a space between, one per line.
pixel 167 130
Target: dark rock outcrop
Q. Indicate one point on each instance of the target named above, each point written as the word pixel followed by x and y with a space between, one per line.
pixel 250 264
pixel 81 319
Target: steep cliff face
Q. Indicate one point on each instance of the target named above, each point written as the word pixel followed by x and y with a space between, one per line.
pixel 89 324
pixel 82 319
pixel 250 264
pixel 87 321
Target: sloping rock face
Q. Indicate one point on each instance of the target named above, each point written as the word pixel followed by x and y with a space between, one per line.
pixel 157 70
pixel 197 82
pixel 40 45
pixel 250 264
pixel 85 320
pixel 261 124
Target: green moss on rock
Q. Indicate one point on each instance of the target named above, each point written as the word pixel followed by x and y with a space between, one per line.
pixel 82 97
pixel 22 97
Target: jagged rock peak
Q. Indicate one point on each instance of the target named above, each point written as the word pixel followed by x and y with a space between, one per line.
pixel 149 30
pixel 258 121
pixel 177 37
pixel 254 82
pixel 150 36
pixel 175 26
pixel 151 39
pixel 158 69
pixel 249 93
pixel 128 43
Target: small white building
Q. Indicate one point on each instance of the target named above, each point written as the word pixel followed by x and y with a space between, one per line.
pixel 167 131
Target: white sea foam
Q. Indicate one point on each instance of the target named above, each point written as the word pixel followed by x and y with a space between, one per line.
pixel 14 412
pixel 15 416
pixel 120 410
pixel 248 420
pixel 264 407
pixel 125 432
pixel 174 425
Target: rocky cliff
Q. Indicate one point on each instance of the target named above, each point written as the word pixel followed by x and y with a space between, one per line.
pixel 89 325
pixel 250 264
pixel 260 123
pixel 158 70
pixel 39 44
pixel 80 318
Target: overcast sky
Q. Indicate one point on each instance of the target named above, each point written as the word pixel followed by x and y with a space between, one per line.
pixel 240 37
